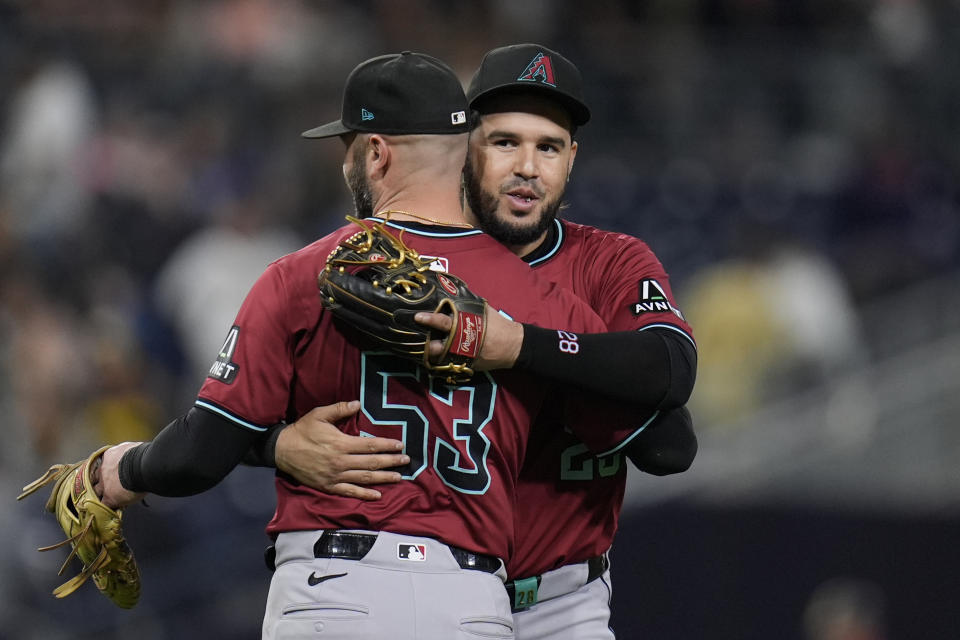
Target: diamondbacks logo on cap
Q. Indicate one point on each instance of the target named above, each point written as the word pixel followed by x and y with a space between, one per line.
pixel 365 115
pixel 414 552
pixel 540 69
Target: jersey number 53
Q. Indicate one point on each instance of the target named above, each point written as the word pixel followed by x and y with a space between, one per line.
pixel 390 392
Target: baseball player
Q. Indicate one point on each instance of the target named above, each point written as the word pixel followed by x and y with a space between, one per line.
pixel 560 576
pixel 427 559
pixel 530 103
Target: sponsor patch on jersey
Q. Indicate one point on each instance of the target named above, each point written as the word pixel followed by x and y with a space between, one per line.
pixel 412 552
pixel 224 368
pixel 438 263
pixel 652 299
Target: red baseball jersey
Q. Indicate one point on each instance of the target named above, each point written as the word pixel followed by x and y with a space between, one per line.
pixel 285 355
pixel 568 499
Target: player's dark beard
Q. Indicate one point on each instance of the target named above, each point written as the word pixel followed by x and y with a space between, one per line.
pixel 484 205
pixel 359 187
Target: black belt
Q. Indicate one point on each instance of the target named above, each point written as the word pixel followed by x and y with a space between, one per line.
pixel 354 546
pixel 527 587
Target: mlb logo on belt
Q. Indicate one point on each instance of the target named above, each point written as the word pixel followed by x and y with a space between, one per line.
pixel 412 552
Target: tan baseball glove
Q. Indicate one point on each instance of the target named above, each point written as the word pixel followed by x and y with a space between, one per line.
pixel 93 531
pixel 376 283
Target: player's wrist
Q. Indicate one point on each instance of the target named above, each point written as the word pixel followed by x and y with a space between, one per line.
pixel 282 446
pixel 502 342
pixel 128 469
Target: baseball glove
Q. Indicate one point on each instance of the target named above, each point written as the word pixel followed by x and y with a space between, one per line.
pixel 376 283
pixel 93 530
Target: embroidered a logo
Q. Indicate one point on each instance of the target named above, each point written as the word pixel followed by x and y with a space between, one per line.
pixel 540 69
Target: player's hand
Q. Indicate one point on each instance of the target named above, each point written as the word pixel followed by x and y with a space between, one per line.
pixel 319 455
pixel 106 478
pixel 501 345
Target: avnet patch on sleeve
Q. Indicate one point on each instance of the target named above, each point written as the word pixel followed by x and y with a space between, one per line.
pixel 653 299
pixel 224 368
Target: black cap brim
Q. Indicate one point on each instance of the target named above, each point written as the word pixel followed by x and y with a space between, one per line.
pixel 579 112
pixel 329 130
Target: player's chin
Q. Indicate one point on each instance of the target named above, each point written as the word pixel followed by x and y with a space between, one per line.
pixel 521 218
pixel 520 227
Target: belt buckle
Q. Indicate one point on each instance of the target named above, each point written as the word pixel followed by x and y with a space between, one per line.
pixel 525 593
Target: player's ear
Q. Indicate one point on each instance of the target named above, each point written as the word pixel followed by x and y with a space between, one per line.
pixel 379 156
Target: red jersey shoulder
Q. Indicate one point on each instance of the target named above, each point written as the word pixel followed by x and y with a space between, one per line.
pixel 618 274
pixel 607 254
pixel 309 261
pixel 489 269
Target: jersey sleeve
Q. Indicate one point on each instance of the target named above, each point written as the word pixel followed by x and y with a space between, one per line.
pixel 632 288
pixel 568 311
pixel 249 381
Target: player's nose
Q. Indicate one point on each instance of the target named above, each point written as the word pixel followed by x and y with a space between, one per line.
pixel 525 163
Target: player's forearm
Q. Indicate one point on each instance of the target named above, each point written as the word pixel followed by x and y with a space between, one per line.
pixel 653 368
pixel 190 455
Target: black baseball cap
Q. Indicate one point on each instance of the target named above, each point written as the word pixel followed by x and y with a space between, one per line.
pixel 400 93
pixel 530 67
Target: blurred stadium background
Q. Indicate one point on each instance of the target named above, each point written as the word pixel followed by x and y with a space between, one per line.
pixel 793 163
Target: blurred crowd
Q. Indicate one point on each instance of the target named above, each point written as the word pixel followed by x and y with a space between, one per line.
pixel 788 161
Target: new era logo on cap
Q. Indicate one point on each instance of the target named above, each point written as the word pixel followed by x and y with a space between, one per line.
pixel 365 115
pixel 540 69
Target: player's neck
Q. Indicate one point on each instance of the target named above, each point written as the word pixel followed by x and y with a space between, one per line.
pixel 431 200
pixel 528 248
pixel 429 211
